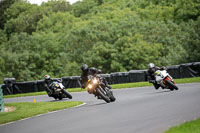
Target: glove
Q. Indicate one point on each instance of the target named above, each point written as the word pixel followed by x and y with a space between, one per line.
pixel 163 68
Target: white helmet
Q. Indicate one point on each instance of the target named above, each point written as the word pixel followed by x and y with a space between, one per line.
pixel 151 65
pixel 47 77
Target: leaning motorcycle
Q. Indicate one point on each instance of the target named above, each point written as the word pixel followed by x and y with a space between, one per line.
pixel 58 91
pixel 162 77
pixel 98 88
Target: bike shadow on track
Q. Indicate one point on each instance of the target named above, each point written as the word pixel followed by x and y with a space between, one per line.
pixel 164 91
pixel 63 100
pixel 96 104
pixel 90 104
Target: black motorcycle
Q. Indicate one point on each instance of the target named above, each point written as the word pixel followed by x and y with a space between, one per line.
pixel 58 91
pixel 97 87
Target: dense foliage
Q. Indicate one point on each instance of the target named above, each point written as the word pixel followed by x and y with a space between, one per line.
pixel 56 38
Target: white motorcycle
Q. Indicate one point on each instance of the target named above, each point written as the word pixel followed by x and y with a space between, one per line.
pixel 163 78
pixel 59 91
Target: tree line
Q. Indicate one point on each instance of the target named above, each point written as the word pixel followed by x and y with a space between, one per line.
pixel 56 38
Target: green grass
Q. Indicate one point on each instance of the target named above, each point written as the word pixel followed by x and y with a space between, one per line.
pixel 188 127
pixel 130 85
pixel 187 80
pixel 27 109
pixel 115 86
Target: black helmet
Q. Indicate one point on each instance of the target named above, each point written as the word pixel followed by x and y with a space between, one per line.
pixel 84 67
pixel 93 70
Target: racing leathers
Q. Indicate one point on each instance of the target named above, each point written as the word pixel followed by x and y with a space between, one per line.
pixel 151 76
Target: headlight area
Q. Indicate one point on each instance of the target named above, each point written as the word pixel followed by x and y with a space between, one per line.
pixel 95 81
pixel 90 86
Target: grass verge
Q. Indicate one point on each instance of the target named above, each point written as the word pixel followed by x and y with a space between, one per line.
pixel 27 109
pixel 115 86
pixel 188 127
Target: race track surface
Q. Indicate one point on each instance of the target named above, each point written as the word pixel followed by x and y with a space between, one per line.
pixel 136 110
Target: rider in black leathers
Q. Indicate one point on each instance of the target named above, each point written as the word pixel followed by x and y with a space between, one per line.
pixel 48 85
pixel 90 71
pixel 151 75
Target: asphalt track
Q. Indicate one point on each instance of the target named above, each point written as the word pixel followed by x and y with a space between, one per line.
pixel 136 110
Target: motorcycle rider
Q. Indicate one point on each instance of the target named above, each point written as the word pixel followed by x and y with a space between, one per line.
pixel 47 82
pixel 48 85
pixel 151 75
pixel 86 71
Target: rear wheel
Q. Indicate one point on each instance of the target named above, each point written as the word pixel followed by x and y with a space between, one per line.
pixel 60 98
pixel 67 94
pixel 55 98
pixel 104 97
pixel 172 85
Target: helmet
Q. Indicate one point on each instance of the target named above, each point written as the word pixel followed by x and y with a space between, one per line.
pixel 47 77
pixel 84 67
pixel 151 65
pixel 93 70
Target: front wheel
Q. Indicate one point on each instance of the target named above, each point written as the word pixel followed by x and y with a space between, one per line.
pixel 172 85
pixel 104 97
pixel 67 94
pixel 112 98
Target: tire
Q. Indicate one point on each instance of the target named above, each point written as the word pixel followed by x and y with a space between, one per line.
pixel 60 98
pixel 104 97
pixel 172 85
pixel 67 94
pixel 112 98
pixel 55 98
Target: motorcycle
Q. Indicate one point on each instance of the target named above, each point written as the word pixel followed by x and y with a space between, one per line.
pixel 58 91
pixel 98 88
pixel 166 81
